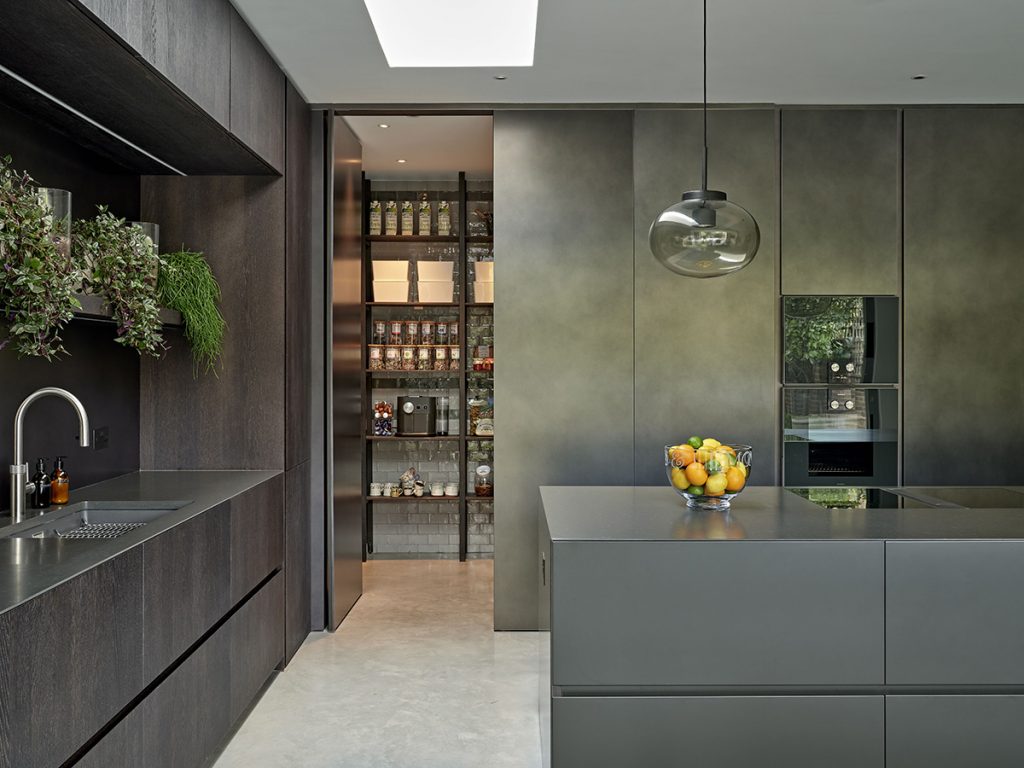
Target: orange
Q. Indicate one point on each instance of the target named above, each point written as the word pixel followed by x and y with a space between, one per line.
pixel 735 479
pixel 682 455
pixel 696 473
pixel 714 493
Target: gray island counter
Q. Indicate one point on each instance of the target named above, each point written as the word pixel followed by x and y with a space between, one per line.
pixel 781 634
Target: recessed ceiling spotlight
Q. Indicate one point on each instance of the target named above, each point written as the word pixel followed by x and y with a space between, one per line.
pixel 383 125
pixel 401 160
pixel 501 77
pixel 919 77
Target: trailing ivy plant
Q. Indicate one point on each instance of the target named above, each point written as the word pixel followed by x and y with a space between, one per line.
pixel 37 277
pixel 121 264
pixel 186 284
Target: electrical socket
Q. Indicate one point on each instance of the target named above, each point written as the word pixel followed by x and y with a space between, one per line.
pixel 100 438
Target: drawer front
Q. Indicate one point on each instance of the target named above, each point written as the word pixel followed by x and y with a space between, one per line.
pixel 954 613
pixel 717 613
pixel 257 643
pixel 718 732
pixel 257 536
pixel 186 587
pixel 121 746
pixel 954 731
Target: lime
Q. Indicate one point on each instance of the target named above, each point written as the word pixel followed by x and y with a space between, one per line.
pixel 695 441
pixel 695 490
pixel 713 466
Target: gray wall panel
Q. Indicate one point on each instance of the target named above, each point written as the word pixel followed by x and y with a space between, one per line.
pixel 953 613
pixel 963 355
pixel 685 613
pixel 719 732
pixel 563 324
pixel 840 201
pixel 705 349
pixel 954 731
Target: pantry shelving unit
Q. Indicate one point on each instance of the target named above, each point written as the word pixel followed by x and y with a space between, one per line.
pixel 404 379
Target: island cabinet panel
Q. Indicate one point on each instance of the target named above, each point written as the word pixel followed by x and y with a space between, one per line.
pixel 730 613
pixel 257 95
pixel 840 201
pixel 187 586
pixel 954 731
pixel 297 567
pixel 953 613
pixel 257 643
pixel 70 660
pixel 257 536
pixel 719 731
pixel 122 745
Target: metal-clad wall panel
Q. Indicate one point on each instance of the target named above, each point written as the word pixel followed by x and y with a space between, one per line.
pixel 563 325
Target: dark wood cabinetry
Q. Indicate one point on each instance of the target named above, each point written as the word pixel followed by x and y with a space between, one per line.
pixel 257 536
pixel 297 557
pixel 187 585
pixel 257 95
pixel 70 661
pixel 256 640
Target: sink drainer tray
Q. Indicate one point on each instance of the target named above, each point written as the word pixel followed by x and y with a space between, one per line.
pixel 101 530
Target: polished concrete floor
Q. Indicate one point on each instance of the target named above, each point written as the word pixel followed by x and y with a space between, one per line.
pixel 414 678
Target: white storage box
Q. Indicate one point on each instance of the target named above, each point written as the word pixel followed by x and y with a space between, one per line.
pixel 390 270
pixel 485 271
pixel 483 293
pixel 390 290
pixel 434 271
pixel 436 291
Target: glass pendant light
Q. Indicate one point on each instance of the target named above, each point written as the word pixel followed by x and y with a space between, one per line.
pixel 705 235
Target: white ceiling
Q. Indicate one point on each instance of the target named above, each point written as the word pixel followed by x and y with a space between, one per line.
pixel 432 145
pixel 649 51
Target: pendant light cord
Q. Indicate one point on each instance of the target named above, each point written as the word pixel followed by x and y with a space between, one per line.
pixel 704 167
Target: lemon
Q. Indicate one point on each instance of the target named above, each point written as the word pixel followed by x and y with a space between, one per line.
pixel 742 468
pixel 710 442
pixel 716 484
pixel 679 479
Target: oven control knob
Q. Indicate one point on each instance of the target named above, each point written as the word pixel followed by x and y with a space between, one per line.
pixel 849 405
pixel 834 367
pixel 834 405
pixel 408 407
pixel 849 367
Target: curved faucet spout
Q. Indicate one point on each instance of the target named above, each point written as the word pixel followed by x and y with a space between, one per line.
pixel 19 469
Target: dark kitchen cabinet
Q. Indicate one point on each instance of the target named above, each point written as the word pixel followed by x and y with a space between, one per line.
pixel 840 201
pixel 257 536
pixel 256 636
pixel 187 586
pixel 953 613
pixel 122 745
pixel 70 660
pixel 297 563
pixel 718 731
pixel 954 731
pixel 962 233
pixel 257 95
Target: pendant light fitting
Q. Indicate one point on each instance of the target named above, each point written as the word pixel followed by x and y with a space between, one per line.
pixel 705 235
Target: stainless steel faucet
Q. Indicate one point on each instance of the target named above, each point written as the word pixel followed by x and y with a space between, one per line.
pixel 19 469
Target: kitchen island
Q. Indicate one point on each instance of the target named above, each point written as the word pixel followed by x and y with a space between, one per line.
pixel 781 634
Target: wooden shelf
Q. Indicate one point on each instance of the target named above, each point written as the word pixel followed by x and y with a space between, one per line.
pixel 414 304
pixel 416 374
pixel 410 499
pixel 479 305
pixel 427 438
pixel 412 238
pixel 95 308
pixel 479 437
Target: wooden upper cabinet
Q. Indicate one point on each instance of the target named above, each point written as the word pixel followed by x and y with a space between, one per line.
pixel 840 201
pixel 257 95
pixel 187 41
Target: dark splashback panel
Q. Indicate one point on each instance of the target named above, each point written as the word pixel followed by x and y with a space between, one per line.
pixel 101 373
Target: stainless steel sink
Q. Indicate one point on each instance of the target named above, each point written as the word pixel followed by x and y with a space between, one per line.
pixel 92 520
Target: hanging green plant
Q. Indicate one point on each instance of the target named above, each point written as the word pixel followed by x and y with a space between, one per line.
pixel 121 264
pixel 186 284
pixel 37 277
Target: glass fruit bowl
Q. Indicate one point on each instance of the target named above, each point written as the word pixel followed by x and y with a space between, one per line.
pixel 706 472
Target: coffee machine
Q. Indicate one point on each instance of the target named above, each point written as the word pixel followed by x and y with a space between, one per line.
pixel 417 416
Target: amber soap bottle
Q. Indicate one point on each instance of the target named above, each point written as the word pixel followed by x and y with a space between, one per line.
pixel 60 485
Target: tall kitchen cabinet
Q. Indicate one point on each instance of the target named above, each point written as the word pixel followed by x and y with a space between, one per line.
pixel 840 202
pixel 963 229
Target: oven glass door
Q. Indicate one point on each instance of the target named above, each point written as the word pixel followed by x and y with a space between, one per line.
pixel 841 339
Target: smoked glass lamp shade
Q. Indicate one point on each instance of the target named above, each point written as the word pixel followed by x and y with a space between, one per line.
pixel 705 235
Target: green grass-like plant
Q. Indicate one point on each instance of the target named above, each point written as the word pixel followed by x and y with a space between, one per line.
pixel 187 285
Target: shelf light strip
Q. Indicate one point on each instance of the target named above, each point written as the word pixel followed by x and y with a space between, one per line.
pixel 86 118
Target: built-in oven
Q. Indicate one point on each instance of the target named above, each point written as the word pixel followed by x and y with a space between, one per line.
pixel 840 436
pixel 841 340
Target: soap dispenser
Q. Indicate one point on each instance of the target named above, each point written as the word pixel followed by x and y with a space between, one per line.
pixel 39 497
pixel 60 484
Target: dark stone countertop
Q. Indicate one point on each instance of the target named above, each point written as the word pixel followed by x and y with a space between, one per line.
pixel 758 514
pixel 30 567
